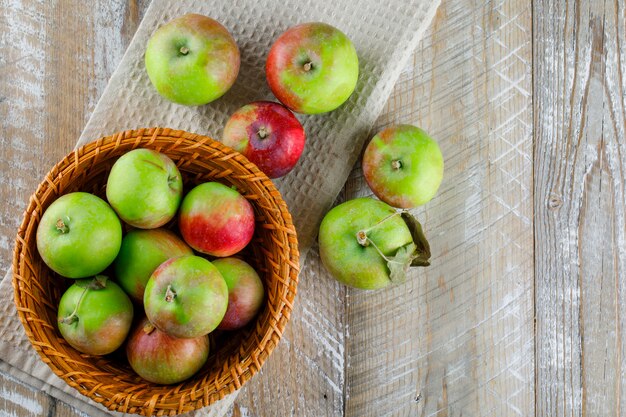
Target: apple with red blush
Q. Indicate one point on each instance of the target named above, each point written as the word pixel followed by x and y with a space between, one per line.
pixel 160 358
pixel 268 134
pixel 186 297
pixel 216 220
pixel 95 315
pixel 403 166
pixel 245 292
pixel 312 68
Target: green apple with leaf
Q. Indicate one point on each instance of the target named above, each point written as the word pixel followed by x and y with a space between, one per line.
pixel 367 244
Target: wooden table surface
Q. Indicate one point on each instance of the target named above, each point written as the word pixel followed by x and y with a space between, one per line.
pixel 522 312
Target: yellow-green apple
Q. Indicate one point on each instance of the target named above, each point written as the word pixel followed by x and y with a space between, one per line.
pixel 268 134
pixel 186 297
pixel 141 253
pixel 95 315
pixel 403 166
pixel 79 235
pixel 245 292
pixel 367 244
pixel 312 68
pixel 192 60
pixel 145 188
pixel 216 220
pixel 163 359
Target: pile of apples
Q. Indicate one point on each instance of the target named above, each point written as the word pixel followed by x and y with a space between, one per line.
pixel 191 283
pixel 184 295
pixel 311 68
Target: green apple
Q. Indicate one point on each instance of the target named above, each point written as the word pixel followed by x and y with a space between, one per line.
pixel 79 235
pixel 95 315
pixel 141 253
pixel 403 166
pixel 186 297
pixel 367 244
pixel 312 68
pixel 192 60
pixel 145 188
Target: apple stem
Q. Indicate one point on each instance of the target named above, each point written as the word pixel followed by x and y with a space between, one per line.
pixel 73 318
pixel 307 66
pixel 148 328
pixel 396 164
pixel 61 226
pixel 170 294
pixel 183 50
pixel 387 259
pixel 364 231
pixel 262 132
pixel 362 238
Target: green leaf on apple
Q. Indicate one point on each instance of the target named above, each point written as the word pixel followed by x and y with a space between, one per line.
pixel 421 255
pixel 399 264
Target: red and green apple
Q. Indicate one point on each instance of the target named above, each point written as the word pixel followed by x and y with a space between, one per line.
pixel 192 60
pixel 163 359
pixel 312 68
pixel 216 220
pixel 79 235
pixel 403 166
pixel 95 315
pixel 245 292
pixel 186 297
pixel 268 134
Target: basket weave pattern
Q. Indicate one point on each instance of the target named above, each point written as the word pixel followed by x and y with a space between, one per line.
pixel 234 359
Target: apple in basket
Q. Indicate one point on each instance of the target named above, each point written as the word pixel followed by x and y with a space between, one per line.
pixel 268 134
pixel 186 297
pixel 312 68
pixel 163 359
pixel 141 253
pixel 245 292
pixel 367 244
pixel 79 235
pixel 145 188
pixel 95 315
pixel 216 220
pixel 403 166
pixel 192 60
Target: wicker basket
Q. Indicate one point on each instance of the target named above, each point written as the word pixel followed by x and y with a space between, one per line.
pixel 235 357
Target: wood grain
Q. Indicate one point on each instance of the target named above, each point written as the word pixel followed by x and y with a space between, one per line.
pixel 580 156
pixel 457 339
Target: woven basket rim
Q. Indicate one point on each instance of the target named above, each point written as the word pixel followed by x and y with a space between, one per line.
pixel 172 401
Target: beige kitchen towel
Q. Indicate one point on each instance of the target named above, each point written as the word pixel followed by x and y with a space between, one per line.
pixel 384 34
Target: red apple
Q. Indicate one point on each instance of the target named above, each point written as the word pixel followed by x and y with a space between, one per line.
pixel 245 292
pixel 268 134
pixel 164 359
pixel 312 68
pixel 216 220
pixel 186 297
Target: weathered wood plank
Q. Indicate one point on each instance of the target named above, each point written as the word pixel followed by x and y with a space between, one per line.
pixel 457 339
pixel 18 400
pixel 580 156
